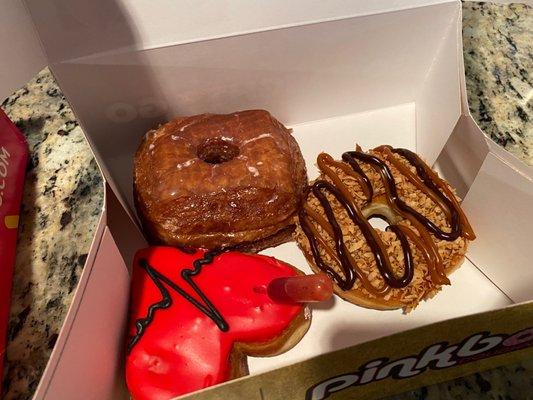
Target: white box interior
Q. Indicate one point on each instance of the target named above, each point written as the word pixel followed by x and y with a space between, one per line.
pixel 369 80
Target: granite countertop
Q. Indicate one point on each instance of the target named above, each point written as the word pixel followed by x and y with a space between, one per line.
pixel 64 185
pixel 498 53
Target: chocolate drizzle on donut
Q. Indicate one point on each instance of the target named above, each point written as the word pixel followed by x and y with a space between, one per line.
pixel 393 197
pixel 160 280
pixel 389 207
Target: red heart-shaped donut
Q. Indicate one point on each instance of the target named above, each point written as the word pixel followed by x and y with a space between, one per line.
pixel 182 339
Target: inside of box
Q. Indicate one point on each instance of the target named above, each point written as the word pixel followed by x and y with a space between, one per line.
pixel 391 78
pixel 300 74
pixel 339 324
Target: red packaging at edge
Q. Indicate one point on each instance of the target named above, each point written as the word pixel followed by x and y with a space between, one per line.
pixel 13 160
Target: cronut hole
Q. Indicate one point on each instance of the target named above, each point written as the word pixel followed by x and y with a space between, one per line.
pixel 217 151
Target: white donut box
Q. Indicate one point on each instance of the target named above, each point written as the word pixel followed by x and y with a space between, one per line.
pixel 338 72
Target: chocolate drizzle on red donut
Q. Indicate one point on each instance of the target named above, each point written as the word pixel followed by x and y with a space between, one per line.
pixel 160 280
pixel 397 210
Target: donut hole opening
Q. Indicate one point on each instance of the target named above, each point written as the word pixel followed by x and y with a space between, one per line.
pixel 217 151
pixel 378 222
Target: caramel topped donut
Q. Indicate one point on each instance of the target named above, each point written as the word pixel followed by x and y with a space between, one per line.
pixel 426 236
pixel 214 181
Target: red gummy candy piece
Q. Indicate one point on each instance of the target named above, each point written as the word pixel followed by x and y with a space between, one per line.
pixel 302 288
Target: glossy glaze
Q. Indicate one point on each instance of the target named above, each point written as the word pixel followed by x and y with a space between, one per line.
pixel 183 349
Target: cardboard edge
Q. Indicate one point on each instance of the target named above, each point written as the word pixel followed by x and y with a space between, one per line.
pixel 137 47
pixel 22 53
pixel 70 316
pixel 453 28
pixel 127 234
pixel 499 152
pixel 501 322
pixel 464 147
pixel 462 74
pixel 510 159
pixel 91 355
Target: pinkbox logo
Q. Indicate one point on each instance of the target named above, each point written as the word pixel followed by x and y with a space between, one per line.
pixel 437 356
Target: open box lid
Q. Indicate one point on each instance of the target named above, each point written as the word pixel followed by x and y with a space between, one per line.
pixel 71 29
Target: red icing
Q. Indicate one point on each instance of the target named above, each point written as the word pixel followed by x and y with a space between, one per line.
pixel 183 350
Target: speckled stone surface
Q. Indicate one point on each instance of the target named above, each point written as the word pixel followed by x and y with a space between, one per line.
pixel 63 198
pixel 498 53
pixel 510 382
pixel 61 206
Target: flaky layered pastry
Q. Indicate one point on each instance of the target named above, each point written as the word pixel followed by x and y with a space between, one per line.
pixel 214 181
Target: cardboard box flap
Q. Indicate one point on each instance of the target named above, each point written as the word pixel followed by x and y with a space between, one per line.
pixel 396 363
pixel 497 190
pixel 94 326
pixel 20 49
pixel 89 362
pixel 73 29
pixel 498 204
pixel 74 309
pixel 438 100
pixel 463 155
pixel 510 159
